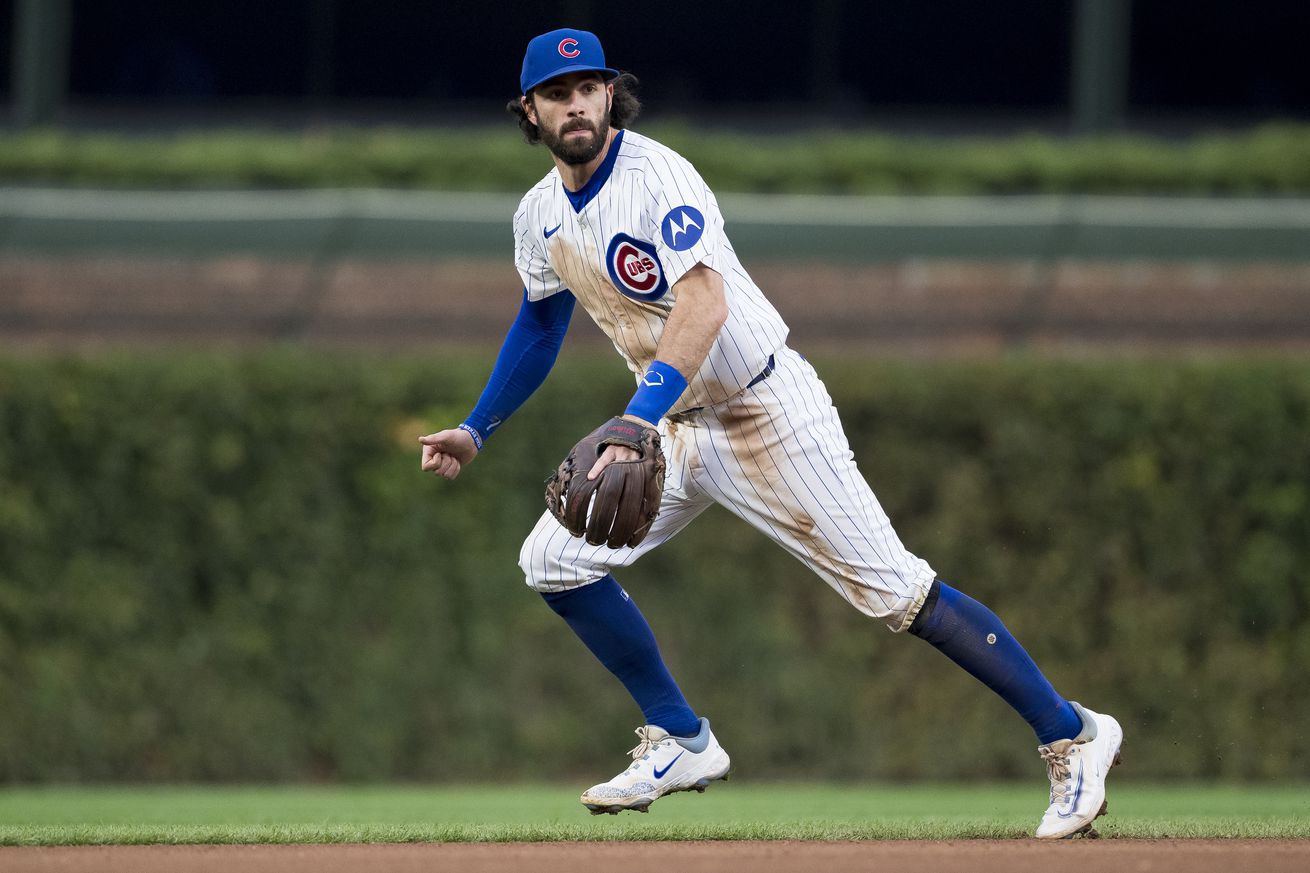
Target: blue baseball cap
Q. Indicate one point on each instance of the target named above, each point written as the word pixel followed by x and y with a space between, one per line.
pixel 562 51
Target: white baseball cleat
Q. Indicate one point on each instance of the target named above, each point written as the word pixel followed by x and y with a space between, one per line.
pixel 661 764
pixel 1078 768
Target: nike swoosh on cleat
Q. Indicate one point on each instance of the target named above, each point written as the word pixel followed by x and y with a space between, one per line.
pixel 659 774
pixel 551 232
pixel 1078 792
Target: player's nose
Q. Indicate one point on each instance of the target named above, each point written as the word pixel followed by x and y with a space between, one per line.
pixel 577 103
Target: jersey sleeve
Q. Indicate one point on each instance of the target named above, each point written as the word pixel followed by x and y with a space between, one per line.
pixel 683 218
pixel 539 279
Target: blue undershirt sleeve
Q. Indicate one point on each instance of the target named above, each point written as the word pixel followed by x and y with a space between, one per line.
pixel 525 359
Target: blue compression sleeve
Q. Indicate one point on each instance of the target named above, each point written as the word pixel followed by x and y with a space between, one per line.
pixel 526 356
pixel 613 628
pixel 973 637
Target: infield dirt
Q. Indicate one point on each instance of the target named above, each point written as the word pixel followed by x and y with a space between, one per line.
pixel 973 856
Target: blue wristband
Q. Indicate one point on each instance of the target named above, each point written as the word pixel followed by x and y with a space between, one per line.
pixel 661 386
pixel 473 432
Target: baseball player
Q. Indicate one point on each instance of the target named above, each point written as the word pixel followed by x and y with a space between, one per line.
pixel 627 228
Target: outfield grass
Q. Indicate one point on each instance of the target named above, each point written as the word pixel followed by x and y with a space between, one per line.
pixel 70 816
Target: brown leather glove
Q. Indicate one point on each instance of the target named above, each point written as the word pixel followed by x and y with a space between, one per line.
pixel 627 493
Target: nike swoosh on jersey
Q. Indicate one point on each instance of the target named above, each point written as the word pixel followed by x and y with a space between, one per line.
pixel 659 774
pixel 551 232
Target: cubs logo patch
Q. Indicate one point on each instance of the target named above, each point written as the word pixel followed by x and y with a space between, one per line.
pixel 635 268
pixel 682 227
pixel 569 48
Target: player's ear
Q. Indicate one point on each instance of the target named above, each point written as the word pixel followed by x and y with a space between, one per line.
pixel 529 109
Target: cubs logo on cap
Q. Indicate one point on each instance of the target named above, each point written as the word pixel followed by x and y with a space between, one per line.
pixel 562 51
pixel 635 269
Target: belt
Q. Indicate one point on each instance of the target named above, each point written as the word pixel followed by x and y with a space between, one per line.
pixel 764 374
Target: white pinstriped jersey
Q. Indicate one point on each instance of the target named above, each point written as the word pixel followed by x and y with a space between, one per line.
pixel 621 244
pixel 773 453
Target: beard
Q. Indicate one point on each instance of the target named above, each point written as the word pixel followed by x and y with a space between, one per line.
pixel 577 150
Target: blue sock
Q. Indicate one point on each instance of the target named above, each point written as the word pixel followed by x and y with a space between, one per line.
pixel 611 626
pixel 972 636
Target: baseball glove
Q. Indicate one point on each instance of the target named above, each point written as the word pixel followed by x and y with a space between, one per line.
pixel 627 493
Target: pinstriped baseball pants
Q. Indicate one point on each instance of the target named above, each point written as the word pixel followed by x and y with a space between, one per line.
pixel 775 455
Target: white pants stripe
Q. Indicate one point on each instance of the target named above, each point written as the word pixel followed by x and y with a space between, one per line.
pixel 776 456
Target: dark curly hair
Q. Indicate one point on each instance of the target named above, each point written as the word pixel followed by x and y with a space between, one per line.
pixel 624 108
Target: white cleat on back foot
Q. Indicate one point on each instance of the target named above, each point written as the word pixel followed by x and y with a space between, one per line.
pixel 661 764
pixel 1077 769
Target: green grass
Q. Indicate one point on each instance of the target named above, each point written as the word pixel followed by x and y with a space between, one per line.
pixel 72 816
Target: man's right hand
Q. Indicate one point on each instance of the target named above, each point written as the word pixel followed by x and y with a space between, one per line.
pixel 447 452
